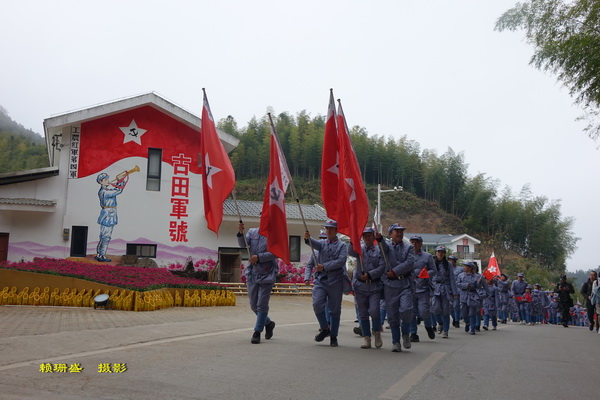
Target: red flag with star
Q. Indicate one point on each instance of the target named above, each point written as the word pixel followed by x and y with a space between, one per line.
pixel 330 162
pixel 218 178
pixel 492 269
pixel 353 204
pixel 273 224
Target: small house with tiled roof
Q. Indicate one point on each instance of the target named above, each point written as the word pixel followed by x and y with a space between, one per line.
pixel 463 246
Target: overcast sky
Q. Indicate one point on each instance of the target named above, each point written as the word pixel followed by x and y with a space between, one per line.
pixel 435 71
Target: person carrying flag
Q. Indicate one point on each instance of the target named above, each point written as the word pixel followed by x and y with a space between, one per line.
pixel 328 283
pixel 397 286
pixel 368 288
pixel 261 274
pixel 424 270
pixel 312 262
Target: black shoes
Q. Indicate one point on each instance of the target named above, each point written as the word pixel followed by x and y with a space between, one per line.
pixel 333 341
pixel 255 338
pixel 322 335
pixel 467 327
pixel 414 338
pixel 485 327
pixel 430 332
pixel 357 331
pixel 269 329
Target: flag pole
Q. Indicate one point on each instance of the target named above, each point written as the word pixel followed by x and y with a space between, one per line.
pixel 385 260
pixel 293 187
pixel 240 218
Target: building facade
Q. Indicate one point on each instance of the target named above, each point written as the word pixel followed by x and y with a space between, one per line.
pixel 125 179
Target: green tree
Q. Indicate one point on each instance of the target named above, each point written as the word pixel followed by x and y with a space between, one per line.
pixel 229 125
pixel 566 41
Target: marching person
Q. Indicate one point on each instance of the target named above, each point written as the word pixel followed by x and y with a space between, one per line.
pixel 504 294
pixel 309 269
pixel 368 288
pixel 423 271
pixel 328 283
pixel 397 286
pixel 596 301
pixel 470 283
pixel 444 290
pixel 491 305
pixel 564 290
pixel 553 310
pixel 517 291
pixel 538 312
pixel 260 278
pixel 527 305
pixel 455 312
pixel 310 265
pixel 586 292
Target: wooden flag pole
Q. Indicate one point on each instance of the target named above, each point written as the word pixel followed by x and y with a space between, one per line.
pixel 240 219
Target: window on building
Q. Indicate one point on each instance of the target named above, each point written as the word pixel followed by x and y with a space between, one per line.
pixel 141 250
pixel 462 249
pixel 154 169
pixel 294 248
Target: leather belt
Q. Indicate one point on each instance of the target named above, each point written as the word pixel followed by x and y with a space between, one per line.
pixel 400 277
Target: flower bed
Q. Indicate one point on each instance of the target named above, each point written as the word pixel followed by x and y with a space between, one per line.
pixel 126 277
pixel 288 273
pixel 201 269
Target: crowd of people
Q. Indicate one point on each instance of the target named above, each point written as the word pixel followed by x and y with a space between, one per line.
pixel 399 282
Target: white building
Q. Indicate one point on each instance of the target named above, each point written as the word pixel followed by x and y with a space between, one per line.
pixel 53 212
pixel 462 246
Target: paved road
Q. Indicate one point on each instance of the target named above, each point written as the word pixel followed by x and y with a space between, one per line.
pixel 205 353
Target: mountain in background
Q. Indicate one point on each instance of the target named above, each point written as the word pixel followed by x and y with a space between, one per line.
pixel 20 148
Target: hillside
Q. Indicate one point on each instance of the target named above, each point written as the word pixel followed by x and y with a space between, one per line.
pixel 416 214
pixel 7 125
pixel 20 148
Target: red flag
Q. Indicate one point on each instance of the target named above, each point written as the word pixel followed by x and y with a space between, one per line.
pixel 424 274
pixel 218 178
pixel 353 204
pixel 272 220
pixel 492 269
pixel 330 162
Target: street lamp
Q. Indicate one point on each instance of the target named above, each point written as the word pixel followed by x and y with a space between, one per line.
pixel 379 191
